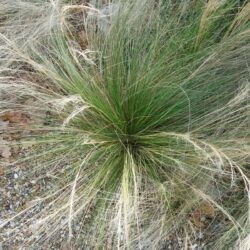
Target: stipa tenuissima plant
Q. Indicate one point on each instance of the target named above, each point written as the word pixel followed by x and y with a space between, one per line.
pixel 145 121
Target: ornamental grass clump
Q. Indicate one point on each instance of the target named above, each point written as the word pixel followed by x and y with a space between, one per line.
pixel 138 113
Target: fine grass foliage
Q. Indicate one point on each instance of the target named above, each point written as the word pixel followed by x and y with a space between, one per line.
pixel 138 127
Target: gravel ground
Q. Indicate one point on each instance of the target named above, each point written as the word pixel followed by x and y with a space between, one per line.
pixel 18 190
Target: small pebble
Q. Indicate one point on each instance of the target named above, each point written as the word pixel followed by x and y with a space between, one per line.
pixel 194 247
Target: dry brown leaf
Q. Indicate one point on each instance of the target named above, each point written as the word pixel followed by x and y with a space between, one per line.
pixel 15 117
pixel 204 210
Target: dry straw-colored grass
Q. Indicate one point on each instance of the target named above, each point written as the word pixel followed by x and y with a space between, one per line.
pixel 148 119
